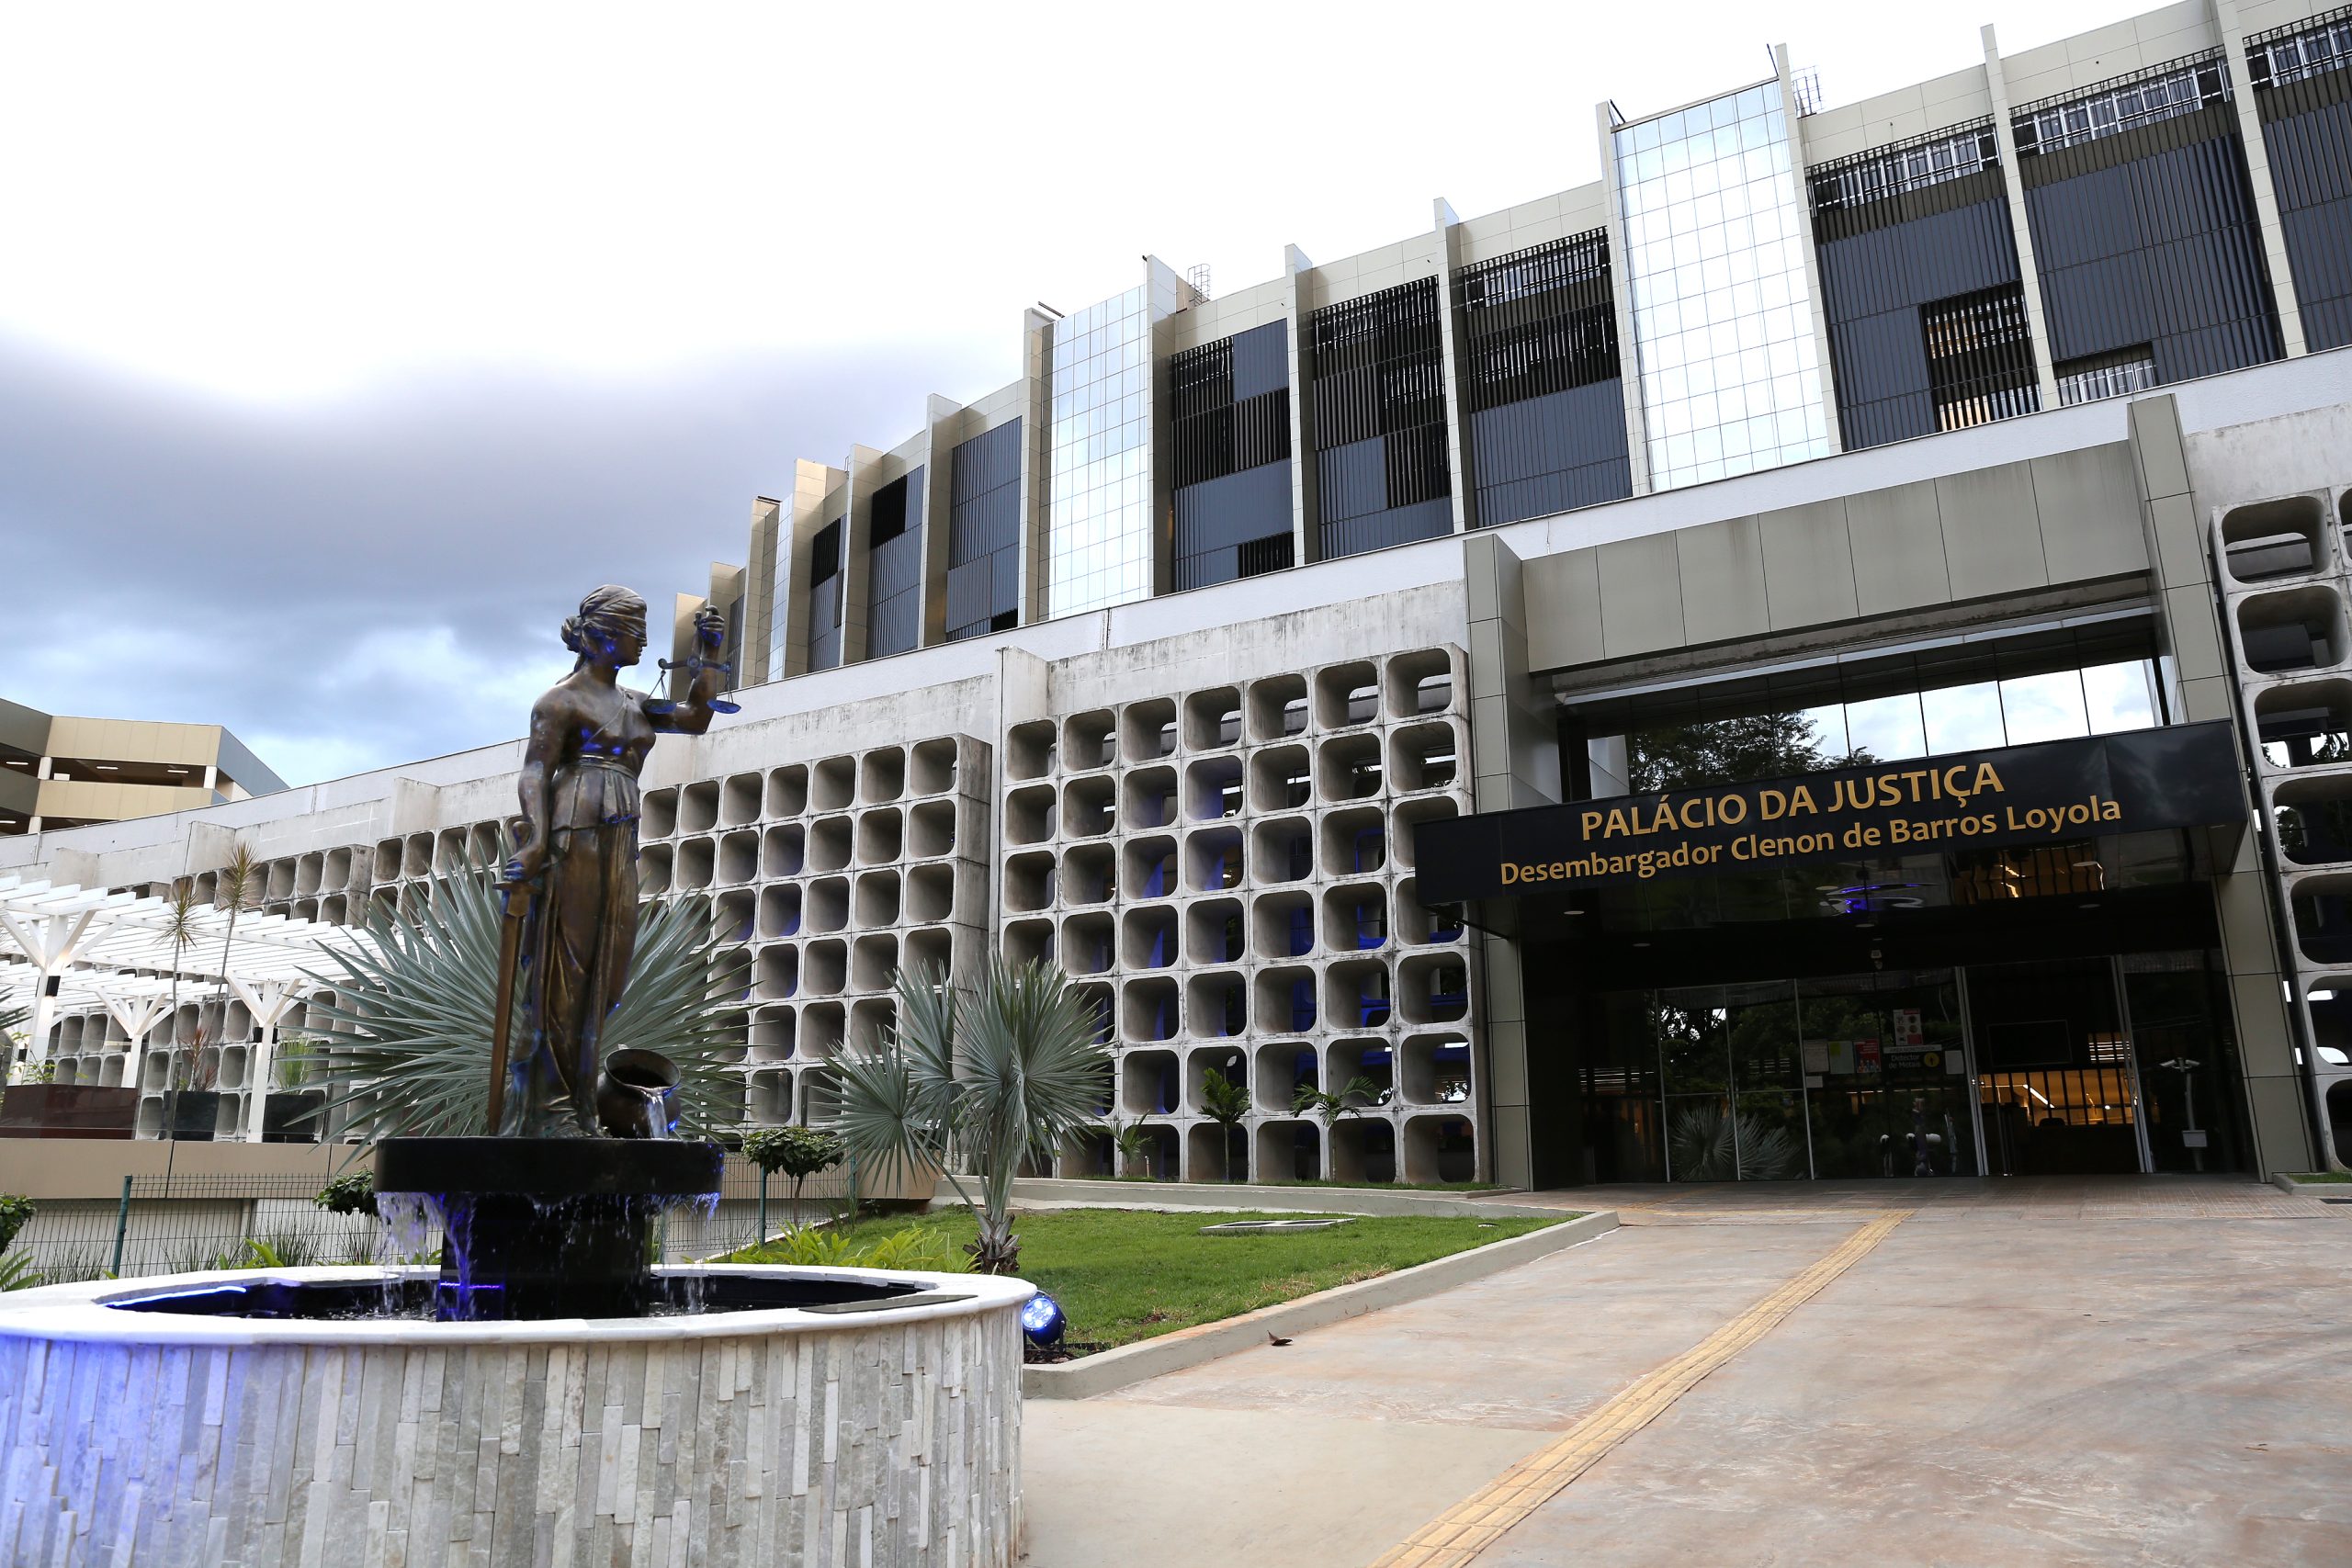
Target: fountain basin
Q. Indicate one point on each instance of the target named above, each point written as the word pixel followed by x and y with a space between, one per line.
pixel 840 1431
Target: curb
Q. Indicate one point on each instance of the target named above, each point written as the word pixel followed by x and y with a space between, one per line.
pixel 1090 1375
pixel 1293 1199
pixel 2294 1189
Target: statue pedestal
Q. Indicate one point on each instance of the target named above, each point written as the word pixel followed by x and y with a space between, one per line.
pixel 546 1227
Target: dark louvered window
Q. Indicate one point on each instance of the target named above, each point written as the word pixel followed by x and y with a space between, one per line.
pixel 1378 404
pixel 2304 98
pixel 1547 409
pixel 1230 464
pixel 894 567
pixel 825 597
pixel 984 533
pixel 1916 252
pixel 1980 357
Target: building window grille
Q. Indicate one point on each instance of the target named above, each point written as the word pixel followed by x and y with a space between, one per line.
pixel 1907 166
pixel 1980 357
pixel 2124 103
pixel 2299 49
pixel 825 597
pixel 1379 376
pixel 1260 557
pixel 894 572
pixel 984 533
pixel 2106 375
pixel 1538 322
pixel 1229 420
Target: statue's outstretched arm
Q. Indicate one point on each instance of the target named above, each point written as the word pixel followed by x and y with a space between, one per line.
pixel 693 717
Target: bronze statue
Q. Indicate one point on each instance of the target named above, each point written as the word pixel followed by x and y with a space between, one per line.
pixel 571 930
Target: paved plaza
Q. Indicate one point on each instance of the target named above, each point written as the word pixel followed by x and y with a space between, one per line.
pixel 2127 1370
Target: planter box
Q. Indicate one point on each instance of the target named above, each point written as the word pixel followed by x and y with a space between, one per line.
pixel 293 1116
pixel 191 1115
pixel 68 1110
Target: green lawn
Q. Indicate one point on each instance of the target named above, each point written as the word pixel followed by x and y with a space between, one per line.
pixel 1127 1274
pixel 2320 1176
pixel 1322 1181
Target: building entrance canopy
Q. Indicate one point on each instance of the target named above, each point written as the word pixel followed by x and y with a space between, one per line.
pixel 2184 776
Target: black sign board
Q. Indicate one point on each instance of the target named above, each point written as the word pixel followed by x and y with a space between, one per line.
pixel 2182 776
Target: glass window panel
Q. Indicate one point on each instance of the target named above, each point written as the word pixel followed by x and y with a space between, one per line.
pixel 1963 719
pixel 2045 707
pixel 1889 729
pixel 2119 696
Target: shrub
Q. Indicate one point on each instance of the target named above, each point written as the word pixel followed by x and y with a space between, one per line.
pixel 14 1212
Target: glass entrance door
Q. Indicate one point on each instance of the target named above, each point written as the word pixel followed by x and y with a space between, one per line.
pixel 1886 1063
pixel 2056 1083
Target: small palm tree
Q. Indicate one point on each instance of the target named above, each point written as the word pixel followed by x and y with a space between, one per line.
pixel 1133 1143
pixel 411 1009
pixel 180 928
pixel 237 888
pixel 1354 1095
pixel 985 1082
pixel 1226 1104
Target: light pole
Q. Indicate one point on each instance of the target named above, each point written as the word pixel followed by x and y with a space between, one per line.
pixel 2184 1066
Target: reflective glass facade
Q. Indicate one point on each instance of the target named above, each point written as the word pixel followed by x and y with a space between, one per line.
pixel 1098 497
pixel 1723 316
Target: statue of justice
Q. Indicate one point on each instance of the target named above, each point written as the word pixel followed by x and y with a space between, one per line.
pixel 569 930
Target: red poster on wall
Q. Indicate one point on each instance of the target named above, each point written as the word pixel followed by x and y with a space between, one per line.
pixel 1866 1055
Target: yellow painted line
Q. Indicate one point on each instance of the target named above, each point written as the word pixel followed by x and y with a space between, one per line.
pixel 1463 1531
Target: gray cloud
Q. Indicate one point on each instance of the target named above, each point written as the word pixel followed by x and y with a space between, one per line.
pixel 353 585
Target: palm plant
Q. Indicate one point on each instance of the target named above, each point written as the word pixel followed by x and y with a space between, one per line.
pixel 1226 1104
pixel 1133 1143
pixel 180 928
pixel 1354 1095
pixel 985 1082
pixel 411 1012
pixel 237 888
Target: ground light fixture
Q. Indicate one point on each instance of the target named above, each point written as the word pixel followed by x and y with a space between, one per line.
pixel 1043 1321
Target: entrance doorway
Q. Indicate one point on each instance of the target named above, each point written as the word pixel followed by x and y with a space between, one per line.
pixel 2077 1066
pixel 2058 1084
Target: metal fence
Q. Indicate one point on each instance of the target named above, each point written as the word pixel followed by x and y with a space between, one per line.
pixel 183 1223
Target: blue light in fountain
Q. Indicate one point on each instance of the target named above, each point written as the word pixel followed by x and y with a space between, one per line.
pixel 1042 1321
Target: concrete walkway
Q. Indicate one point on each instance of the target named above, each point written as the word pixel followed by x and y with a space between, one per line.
pixel 2060 1370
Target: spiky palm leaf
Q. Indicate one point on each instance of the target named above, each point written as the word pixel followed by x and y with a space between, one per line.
pixel 411 1013
pixel 980 1082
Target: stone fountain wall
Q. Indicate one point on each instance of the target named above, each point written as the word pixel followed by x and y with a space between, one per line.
pixel 885 1445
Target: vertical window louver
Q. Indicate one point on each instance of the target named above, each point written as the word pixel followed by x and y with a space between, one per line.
pixel 1229 468
pixel 2302 95
pixel 1378 407
pixel 1980 357
pixel 1545 412
pixel 825 597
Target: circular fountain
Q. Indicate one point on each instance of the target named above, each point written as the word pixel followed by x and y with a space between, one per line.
pixel 758 1415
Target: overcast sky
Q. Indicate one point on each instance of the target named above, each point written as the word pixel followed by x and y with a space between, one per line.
pixel 341 349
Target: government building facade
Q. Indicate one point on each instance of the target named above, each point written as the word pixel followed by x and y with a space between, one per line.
pixel 1824 653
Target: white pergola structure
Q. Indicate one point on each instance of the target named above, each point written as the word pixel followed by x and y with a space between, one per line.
pixel 69 949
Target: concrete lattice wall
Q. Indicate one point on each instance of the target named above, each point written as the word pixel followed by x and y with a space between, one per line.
pixel 1227 871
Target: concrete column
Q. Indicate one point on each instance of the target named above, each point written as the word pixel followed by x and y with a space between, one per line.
pixel 1457 448
pixel 1037 456
pixel 2266 193
pixel 942 428
pixel 1820 311
pixel 2012 182
pixel 858 519
pixel 1514 762
pixel 795 536
pixel 2202 685
pixel 759 592
pixel 1629 348
pixel 1298 304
